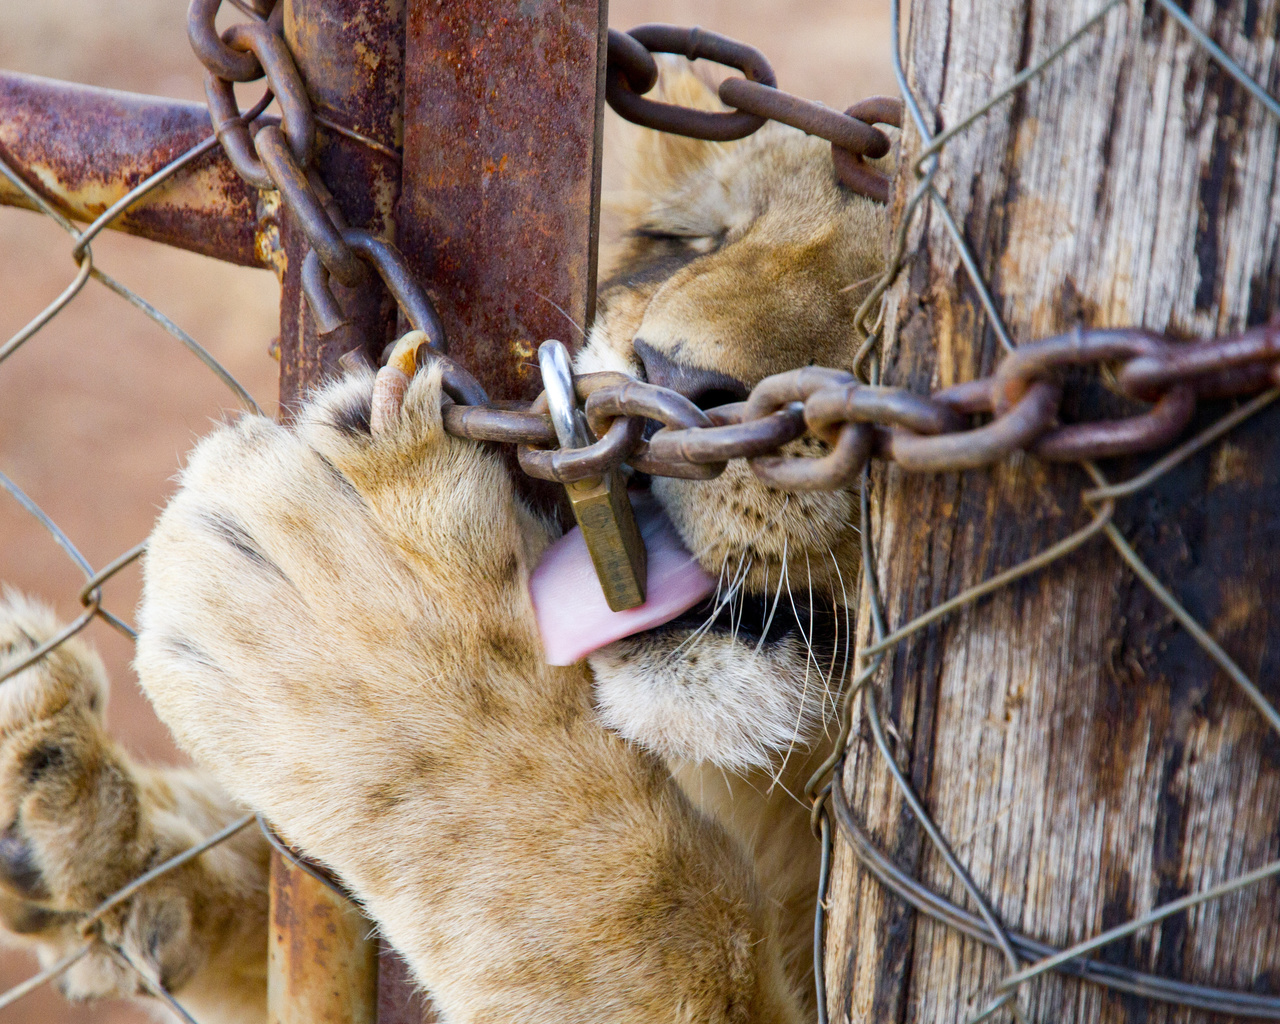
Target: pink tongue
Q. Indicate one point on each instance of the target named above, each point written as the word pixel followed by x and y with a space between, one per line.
pixel 574 619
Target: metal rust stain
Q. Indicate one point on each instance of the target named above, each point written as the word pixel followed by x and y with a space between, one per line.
pixel 267 241
pixel 323 967
pixel 350 54
pixel 85 147
pixel 351 57
pixel 499 209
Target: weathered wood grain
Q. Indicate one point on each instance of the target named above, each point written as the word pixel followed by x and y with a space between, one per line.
pixel 1083 755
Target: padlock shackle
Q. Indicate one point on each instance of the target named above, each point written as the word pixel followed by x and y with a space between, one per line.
pixel 562 404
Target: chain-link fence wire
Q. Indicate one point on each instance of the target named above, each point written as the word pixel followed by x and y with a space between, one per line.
pixel 91 596
pixel 1026 958
pixel 1018 950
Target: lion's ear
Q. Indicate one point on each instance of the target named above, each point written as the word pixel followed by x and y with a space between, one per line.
pixel 657 160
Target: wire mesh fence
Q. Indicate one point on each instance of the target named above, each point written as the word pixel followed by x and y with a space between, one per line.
pixel 91 597
pixel 1025 957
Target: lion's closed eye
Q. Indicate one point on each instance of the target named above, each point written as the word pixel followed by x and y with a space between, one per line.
pixel 699 243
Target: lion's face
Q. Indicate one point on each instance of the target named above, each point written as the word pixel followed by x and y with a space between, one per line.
pixel 743 260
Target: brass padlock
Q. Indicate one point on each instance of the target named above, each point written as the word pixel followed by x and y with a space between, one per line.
pixel 600 504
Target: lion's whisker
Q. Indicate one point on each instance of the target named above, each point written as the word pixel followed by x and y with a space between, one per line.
pixel 826 679
pixel 768 622
pixel 742 603
pixel 848 624
pixel 719 604
pixel 559 309
pixel 831 670
pixel 738 580
pixel 808 645
pixel 804 690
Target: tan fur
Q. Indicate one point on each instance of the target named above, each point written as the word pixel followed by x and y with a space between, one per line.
pixel 336 625
pixel 352 649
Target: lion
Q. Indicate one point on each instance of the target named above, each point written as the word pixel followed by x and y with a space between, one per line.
pixel 336 625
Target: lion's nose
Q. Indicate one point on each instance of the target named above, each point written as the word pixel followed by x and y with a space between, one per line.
pixel 704 388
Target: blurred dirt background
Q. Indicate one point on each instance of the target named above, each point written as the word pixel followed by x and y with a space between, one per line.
pixel 97 410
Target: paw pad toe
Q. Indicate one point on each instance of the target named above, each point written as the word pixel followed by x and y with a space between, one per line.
pixel 19 871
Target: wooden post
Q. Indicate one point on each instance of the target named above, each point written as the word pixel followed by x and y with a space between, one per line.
pixel 1086 759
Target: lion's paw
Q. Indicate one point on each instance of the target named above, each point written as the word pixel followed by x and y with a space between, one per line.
pixel 296 563
pixel 337 623
pixel 68 807
pixel 79 822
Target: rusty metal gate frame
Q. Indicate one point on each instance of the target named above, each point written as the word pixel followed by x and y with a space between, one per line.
pixel 493 198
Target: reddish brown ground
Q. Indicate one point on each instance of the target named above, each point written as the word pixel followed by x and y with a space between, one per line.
pixel 97 410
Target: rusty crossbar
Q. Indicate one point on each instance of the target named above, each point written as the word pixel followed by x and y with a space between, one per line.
pixel 86 148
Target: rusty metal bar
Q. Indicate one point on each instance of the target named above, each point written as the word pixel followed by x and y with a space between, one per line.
pixel 499 209
pixel 351 57
pixel 322 968
pixel 84 148
pixel 350 53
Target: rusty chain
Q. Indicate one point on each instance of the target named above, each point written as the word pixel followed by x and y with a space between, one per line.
pixel 276 154
pixel 755 97
pixel 857 421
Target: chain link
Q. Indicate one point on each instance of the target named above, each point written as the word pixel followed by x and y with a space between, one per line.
pixel 277 155
pixel 266 154
pixel 632 72
pixel 921 433
pixel 855 421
